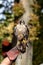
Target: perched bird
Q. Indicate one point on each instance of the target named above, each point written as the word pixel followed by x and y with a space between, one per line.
pixel 21 32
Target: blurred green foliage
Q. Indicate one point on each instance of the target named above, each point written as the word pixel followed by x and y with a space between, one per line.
pixel 18 10
pixel 6 28
pixel 38 44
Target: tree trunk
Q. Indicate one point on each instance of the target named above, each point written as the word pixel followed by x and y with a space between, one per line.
pixel 28 9
pixel 26 58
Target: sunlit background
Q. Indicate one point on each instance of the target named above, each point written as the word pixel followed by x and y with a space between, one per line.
pixel 5 5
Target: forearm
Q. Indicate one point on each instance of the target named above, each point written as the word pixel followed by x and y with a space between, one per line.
pixel 6 61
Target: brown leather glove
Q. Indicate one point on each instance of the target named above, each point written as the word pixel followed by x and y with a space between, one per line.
pixel 13 53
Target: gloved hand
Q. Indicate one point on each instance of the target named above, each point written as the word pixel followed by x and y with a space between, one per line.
pixel 13 53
